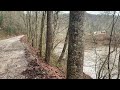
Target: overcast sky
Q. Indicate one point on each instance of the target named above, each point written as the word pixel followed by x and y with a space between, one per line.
pixel 91 12
pixel 94 12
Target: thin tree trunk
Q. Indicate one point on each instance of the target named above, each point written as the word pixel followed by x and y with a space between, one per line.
pixel 111 34
pixel 64 49
pixel 29 25
pixel 49 37
pixel 75 46
pixel 55 25
pixel 41 34
pixel 35 30
pixel 36 27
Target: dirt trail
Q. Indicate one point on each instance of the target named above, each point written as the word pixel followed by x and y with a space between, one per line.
pixel 12 58
pixel 18 62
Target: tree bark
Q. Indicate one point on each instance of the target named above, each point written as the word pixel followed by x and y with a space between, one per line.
pixel 41 34
pixel 29 26
pixel 49 37
pixel 75 45
pixel 35 30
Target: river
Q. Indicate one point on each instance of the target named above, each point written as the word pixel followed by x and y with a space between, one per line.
pixel 93 56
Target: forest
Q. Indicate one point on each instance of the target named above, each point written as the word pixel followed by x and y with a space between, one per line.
pixel 59 45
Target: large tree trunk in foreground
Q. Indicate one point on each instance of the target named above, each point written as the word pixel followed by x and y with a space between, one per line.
pixel 75 46
pixel 49 37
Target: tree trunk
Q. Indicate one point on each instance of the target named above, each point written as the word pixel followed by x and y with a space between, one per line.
pixel 49 37
pixel 35 30
pixel 75 46
pixel 41 34
pixel 29 26
pixel 64 48
pixel 36 27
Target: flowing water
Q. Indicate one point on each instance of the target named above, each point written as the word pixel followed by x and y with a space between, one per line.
pixel 94 56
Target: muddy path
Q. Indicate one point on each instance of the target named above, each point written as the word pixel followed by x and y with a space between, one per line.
pixel 12 58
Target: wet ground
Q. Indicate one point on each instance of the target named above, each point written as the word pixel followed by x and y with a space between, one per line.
pixel 12 58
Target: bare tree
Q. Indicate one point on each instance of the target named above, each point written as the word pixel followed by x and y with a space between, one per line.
pixel 49 36
pixel 111 34
pixel 41 33
pixel 64 49
pixel 35 29
pixel 75 46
